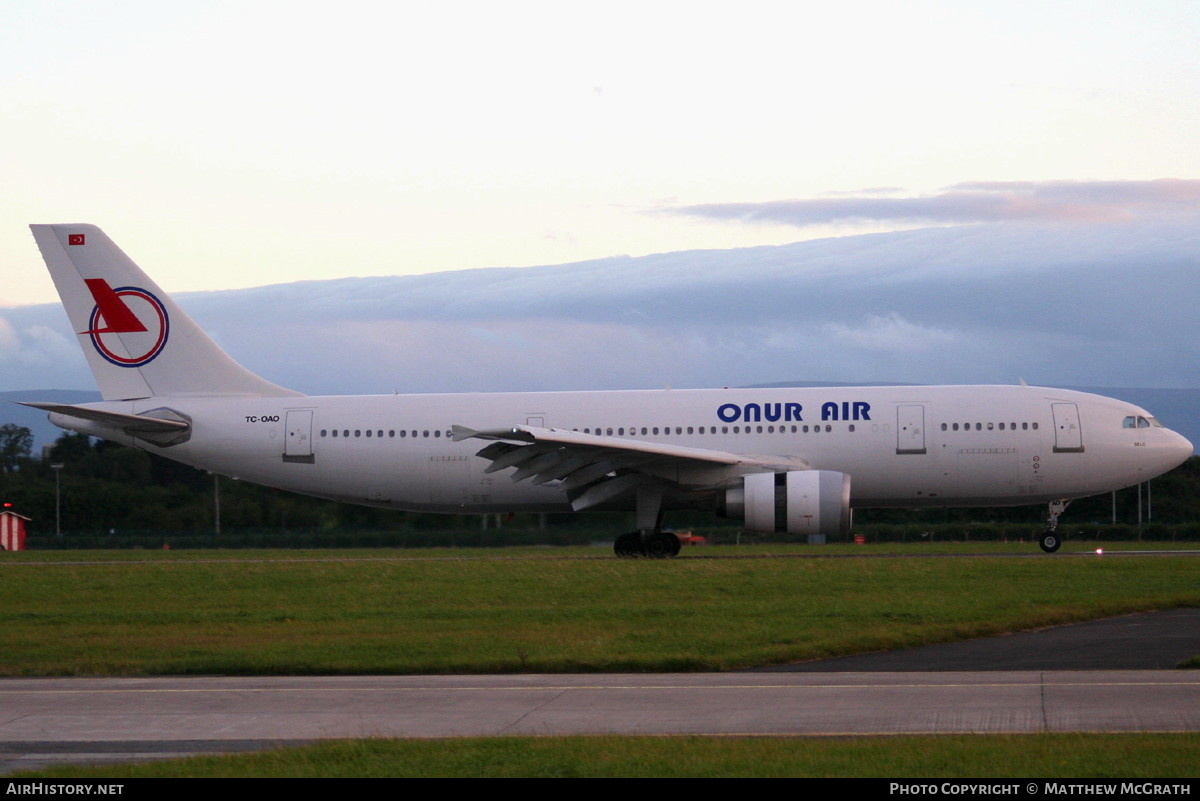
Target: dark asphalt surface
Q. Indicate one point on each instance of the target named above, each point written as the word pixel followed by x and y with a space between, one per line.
pixel 1149 641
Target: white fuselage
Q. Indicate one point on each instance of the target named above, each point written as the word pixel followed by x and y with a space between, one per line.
pixel 901 446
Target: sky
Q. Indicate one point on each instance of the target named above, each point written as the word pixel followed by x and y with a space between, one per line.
pixel 227 145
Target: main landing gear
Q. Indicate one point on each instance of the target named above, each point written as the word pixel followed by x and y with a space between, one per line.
pixel 649 540
pixel 1050 541
pixel 652 544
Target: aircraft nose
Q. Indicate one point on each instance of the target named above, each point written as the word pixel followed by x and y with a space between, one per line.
pixel 1181 448
pixel 1168 451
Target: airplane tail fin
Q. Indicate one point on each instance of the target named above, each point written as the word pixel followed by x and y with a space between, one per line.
pixel 138 343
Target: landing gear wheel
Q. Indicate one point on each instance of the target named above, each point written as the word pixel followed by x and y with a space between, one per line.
pixel 662 545
pixel 629 546
pixel 1049 542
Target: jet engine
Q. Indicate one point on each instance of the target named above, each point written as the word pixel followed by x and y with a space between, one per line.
pixel 796 502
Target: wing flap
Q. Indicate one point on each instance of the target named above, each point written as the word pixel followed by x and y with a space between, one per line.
pixel 575 440
pixel 593 469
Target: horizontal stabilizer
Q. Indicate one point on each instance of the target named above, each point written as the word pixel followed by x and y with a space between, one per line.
pixel 133 423
pixel 163 427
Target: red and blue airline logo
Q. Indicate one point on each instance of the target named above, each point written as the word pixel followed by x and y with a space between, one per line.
pixel 128 326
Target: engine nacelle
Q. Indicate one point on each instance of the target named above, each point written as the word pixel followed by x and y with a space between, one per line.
pixel 796 502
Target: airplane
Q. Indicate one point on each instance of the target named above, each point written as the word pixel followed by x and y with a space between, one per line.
pixel 781 460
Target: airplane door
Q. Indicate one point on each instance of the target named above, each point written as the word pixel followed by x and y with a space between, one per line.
pixel 910 429
pixel 449 477
pixel 297 443
pixel 1068 436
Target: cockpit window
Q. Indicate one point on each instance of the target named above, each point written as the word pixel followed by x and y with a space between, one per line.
pixel 1154 422
pixel 1140 422
pixel 1129 422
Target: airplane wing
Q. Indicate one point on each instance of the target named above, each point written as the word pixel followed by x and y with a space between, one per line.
pixel 593 468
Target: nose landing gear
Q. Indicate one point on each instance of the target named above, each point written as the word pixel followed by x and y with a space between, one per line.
pixel 1049 540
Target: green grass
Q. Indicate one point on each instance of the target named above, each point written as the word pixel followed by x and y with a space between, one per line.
pixel 481 611
pixel 1124 756
pixel 602 550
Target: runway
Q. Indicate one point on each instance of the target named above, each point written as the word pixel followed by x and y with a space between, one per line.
pixel 53 720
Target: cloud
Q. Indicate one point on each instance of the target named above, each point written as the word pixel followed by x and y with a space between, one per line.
pixel 33 344
pixel 10 343
pixel 890 332
pixel 1088 304
pixel 973 202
